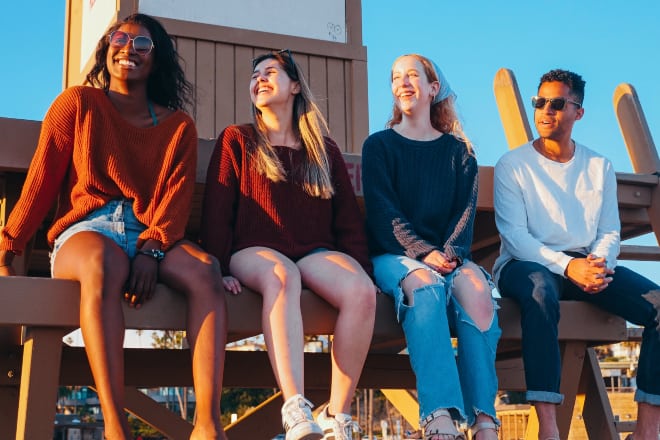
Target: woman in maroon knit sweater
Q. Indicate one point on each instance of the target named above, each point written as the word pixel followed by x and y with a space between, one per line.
pixel 293 221
pixel 120 160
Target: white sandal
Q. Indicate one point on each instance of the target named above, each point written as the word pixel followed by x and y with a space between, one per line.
pixel 434 415
pixel 482 426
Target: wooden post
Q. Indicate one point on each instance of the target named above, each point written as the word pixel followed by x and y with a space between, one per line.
pixel 635 130
pixel 511 108
pixel 641 148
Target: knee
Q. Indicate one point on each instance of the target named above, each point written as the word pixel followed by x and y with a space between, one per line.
pixel 482 312
pixel 417 280
pixel 205 269
pixel 283 280
pixel 102 273
pixel 364 297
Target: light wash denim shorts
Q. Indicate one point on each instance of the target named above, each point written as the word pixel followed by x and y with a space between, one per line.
pixel 115 220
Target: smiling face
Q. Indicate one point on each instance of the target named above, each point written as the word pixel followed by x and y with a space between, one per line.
pixel 270 85
pixel 411 87
pixel 556 124
pixel 124 64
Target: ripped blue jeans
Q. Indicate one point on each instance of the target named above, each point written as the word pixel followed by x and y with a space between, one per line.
pixel 466 386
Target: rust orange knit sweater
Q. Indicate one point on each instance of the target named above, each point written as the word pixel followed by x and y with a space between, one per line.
pixel 88 154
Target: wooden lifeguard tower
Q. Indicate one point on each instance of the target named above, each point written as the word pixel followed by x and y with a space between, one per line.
pixel 217 45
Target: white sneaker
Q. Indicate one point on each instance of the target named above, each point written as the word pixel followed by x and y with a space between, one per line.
pixel 298 421
pixel 339 427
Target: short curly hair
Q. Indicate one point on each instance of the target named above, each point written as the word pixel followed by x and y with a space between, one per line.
pixel 574 82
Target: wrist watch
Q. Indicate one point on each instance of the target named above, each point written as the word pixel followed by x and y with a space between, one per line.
pixel 156 254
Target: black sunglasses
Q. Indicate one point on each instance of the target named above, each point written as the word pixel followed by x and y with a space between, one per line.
pixel 285 56
pixel 557 104
pixel 141 44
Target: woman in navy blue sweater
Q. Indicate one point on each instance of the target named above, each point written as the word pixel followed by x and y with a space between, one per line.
pixel 420 189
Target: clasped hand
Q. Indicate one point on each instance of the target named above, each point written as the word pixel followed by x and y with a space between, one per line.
pixel 439 262
pixel 591 273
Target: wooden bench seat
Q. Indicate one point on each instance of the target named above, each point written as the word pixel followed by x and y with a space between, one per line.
pixel 47 363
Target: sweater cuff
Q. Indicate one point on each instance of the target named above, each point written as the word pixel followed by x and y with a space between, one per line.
pixel 8 244
pixel 563 263
pixel 419 251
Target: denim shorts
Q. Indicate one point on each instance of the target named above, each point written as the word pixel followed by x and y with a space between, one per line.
pixel 115 220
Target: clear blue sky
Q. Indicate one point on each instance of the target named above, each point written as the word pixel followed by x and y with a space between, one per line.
pixel 607 42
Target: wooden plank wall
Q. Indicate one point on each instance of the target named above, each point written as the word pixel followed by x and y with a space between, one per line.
pixel 221 74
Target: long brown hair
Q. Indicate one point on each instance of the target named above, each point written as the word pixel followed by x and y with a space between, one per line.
pixel 308 124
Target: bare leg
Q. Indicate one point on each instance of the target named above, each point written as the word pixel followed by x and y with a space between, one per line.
pixel 648 422
pixel 195 273
pixel 485 434
pixel 341 281
pixel 102 269
pixel 277 278
pixel 547 414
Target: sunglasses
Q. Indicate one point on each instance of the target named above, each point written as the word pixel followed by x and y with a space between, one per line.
pixel 141 44
pixel 557 104
pixel 284 56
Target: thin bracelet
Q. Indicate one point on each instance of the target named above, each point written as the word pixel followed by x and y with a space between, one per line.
pixel 5 265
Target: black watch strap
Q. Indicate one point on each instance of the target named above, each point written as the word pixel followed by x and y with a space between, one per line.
pixel 156 254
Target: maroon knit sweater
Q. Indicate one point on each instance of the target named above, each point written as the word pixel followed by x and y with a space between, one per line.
pixel 242 208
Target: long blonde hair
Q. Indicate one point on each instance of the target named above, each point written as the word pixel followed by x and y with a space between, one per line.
pixel 308 124
pixel 444 117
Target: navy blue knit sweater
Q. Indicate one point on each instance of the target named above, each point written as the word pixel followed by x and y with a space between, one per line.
pixel 419 195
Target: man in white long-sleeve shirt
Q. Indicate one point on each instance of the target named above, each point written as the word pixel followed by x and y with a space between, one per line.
pixel 557 214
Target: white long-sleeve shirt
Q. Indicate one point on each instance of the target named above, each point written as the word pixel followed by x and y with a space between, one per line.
pixel 544 207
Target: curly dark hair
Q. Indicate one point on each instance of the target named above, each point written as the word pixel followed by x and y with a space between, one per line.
pixel 167 84
pixel 571 79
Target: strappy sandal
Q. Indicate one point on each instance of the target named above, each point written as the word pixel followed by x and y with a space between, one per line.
pixel 430 433
pixel 482 426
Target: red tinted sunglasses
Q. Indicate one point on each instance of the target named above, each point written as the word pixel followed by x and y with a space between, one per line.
pixel 141 44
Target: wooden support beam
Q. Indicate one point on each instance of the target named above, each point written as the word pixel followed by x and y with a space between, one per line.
pixel 639 253
pixel 406 404
pixel 572 360
pixel 8 406
pixel 596 410
pixel 156 415
pixel 265 421
pixel 39 382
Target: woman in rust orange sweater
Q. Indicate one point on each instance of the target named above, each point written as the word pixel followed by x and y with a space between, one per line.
pixel 120 161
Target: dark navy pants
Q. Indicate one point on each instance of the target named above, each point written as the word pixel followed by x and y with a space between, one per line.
pixel 538 292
